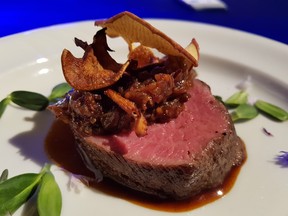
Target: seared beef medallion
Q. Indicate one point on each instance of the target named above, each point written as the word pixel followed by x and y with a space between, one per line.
pixel 147 123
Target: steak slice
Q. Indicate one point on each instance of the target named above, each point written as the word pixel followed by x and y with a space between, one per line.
pixel 175 160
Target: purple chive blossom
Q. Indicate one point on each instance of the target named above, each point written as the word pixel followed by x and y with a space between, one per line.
pixel 266 132
pixel 282 159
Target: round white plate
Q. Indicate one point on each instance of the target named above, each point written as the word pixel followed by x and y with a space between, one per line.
pixel 31 61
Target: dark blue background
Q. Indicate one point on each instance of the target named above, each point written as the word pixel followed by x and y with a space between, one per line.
pixel 268 18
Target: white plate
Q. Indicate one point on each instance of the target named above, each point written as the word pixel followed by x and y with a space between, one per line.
pixel 31 61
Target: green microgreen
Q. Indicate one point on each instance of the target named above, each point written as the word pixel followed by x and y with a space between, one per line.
pixel 244 112
pixel 14 192
pixel 272 110
pixel 219 98
pixel 4 175
pixel 3 104
pixel 59 91
pixel 236 99
pixel 29 100
pixel 32 100
pixel 49 199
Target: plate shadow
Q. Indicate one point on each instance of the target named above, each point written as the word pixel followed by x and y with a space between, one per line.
pixel 31 143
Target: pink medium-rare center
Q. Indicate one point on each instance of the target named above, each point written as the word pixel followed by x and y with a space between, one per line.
pixel 174 142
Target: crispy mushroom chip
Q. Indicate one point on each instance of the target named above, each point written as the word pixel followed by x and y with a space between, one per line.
pixel 134 29
pixel 130 108
pixel 97 70
pixel 87 73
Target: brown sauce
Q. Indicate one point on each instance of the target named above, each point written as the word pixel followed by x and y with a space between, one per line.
pixel 59 146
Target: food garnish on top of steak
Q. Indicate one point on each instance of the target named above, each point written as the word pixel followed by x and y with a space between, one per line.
pixel 147 123
pixel 110 97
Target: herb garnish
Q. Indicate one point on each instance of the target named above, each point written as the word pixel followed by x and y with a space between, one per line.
pixel 59 91
pixel 3 104
pixel 29 100
pixel 282 159
pixel 272 110
pixel 245 111
pixel 267 132
pixel 49 199
pixel 15 191
pixel 4 176
pixel 236 99
pixel 32 100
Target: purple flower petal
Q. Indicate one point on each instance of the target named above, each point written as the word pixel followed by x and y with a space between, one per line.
pixel 282 159
pixel 266 132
